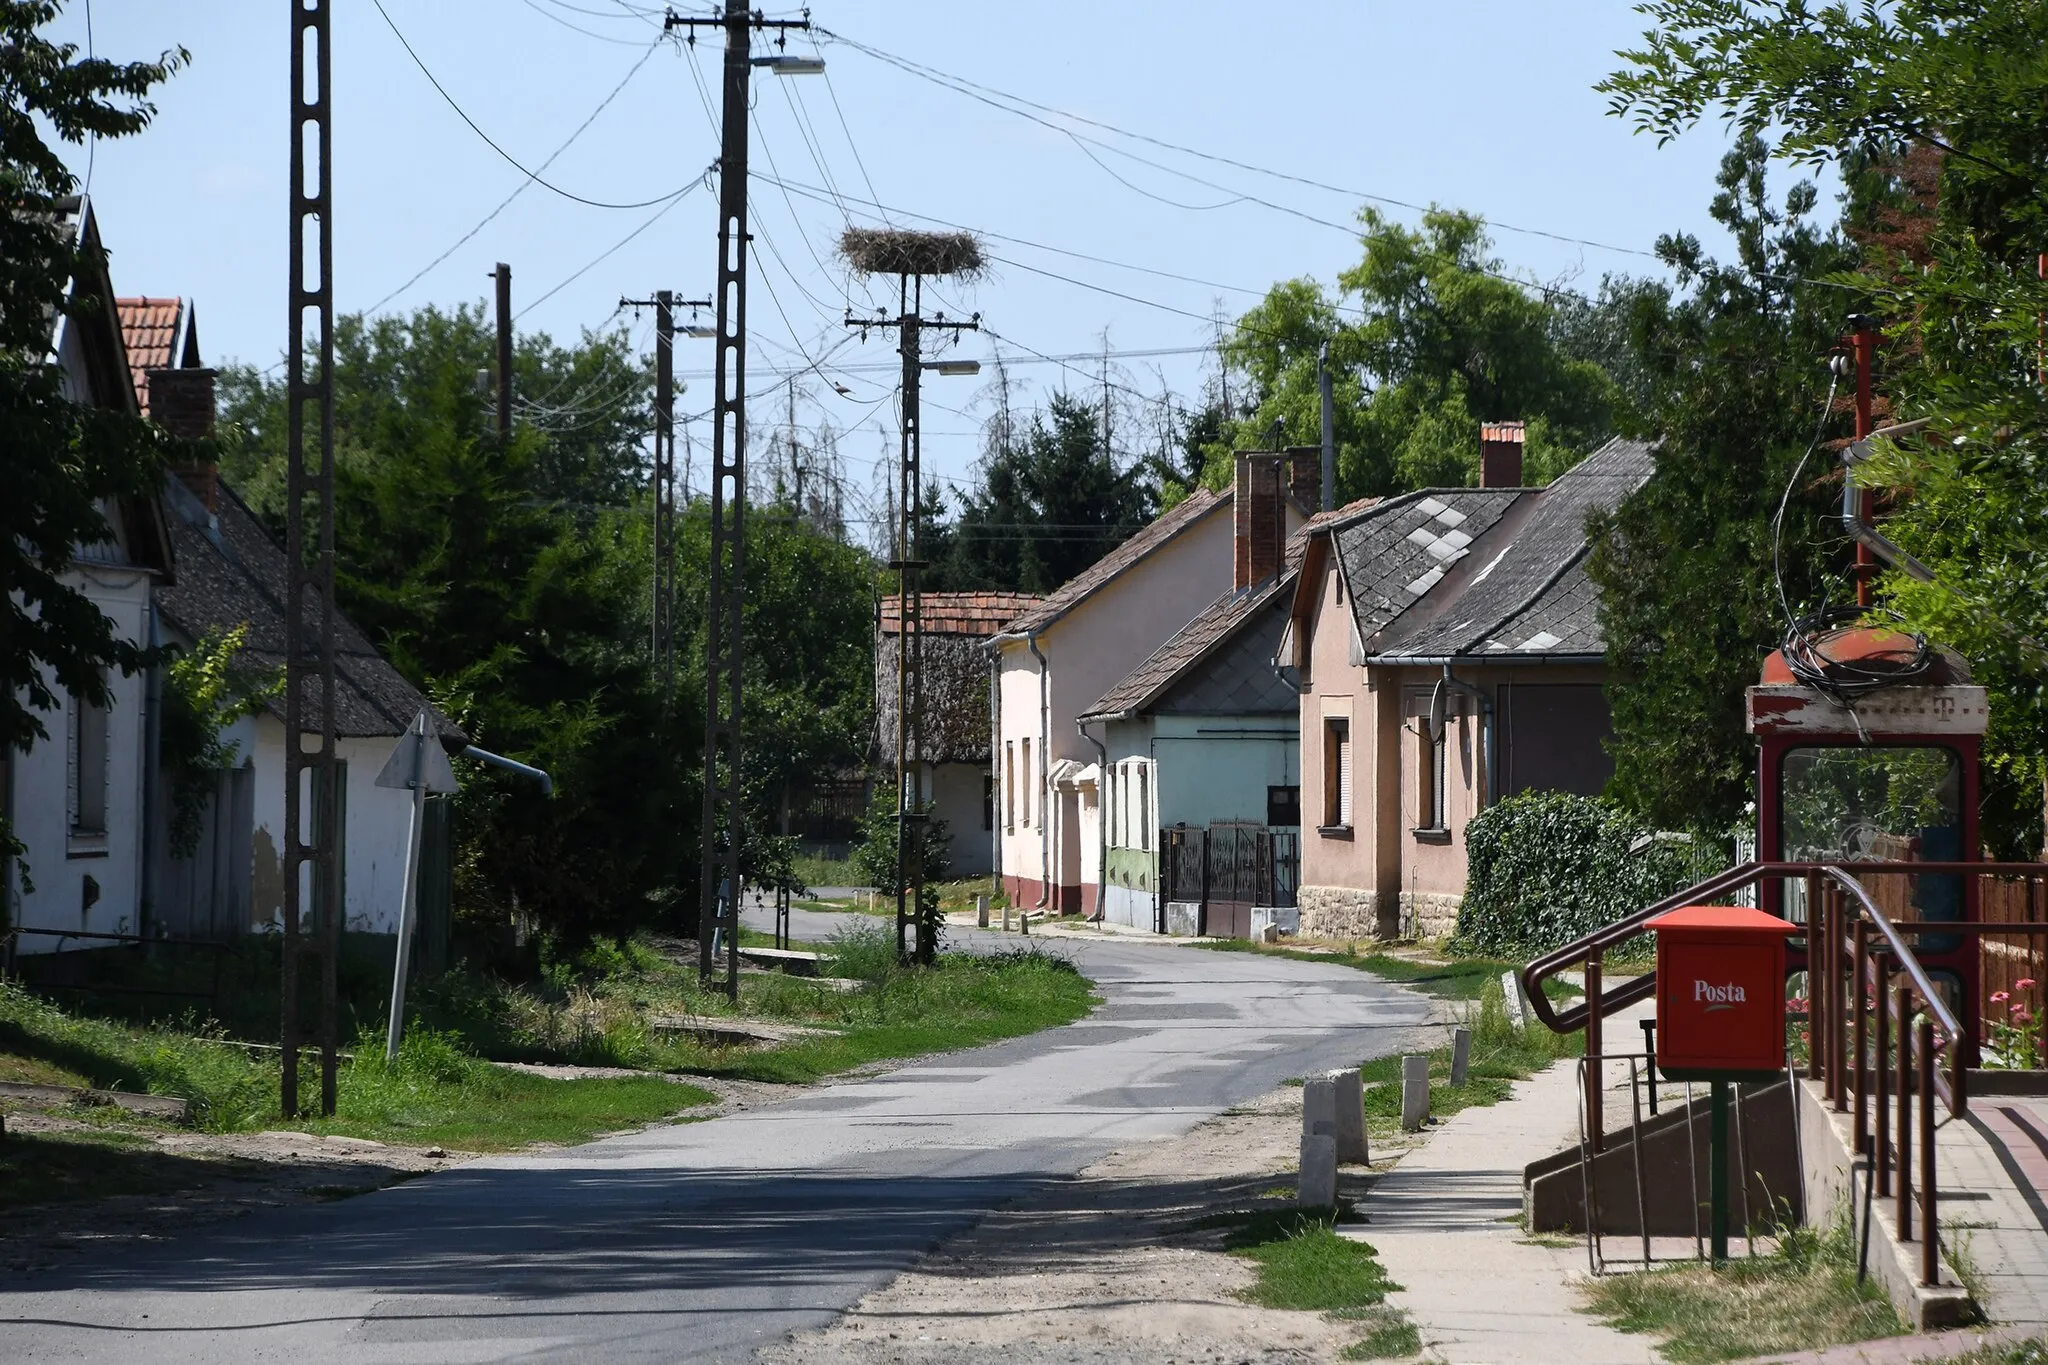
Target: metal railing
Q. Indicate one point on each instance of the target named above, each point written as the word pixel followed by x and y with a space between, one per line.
pixel 1877 1022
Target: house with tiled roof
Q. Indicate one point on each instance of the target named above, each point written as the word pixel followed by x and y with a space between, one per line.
pixel 1449 653
pixel 233 575
pixel 1056 662
pixel 950 762
pixel 75 800
pixel 1204 734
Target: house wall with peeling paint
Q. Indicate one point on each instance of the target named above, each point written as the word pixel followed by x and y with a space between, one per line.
pixel 374 846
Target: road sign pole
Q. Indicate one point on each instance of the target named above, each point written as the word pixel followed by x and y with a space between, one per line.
pixel 407 901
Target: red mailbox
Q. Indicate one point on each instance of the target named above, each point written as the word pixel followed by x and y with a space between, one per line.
pixel 1720 992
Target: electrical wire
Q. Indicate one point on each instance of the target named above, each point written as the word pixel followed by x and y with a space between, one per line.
pixel 510 160
pixel 1847 681
pixel 645 224
pixel 1827 407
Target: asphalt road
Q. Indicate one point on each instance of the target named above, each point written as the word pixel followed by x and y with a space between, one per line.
pixel 706 1241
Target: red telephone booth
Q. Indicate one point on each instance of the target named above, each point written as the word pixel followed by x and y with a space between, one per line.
pixel 1721 993
pixel 1890 776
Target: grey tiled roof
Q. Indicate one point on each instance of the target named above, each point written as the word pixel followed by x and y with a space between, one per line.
pixel 1085 584
pixel 1398 551
pixel 1524 590
pixel 231 573
pixel 1199 640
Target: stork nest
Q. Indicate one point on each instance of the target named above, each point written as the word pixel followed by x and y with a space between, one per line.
pixel 898 251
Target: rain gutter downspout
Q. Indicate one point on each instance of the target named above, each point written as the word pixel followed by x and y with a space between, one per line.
pixel 998 804
pixel 1486 732
pixel 1860 530
pixel 1101 818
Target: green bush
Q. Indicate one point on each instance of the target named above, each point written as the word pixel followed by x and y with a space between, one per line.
pixel 1544 868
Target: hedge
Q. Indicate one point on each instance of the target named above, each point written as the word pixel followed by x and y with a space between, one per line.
pixel 1544 868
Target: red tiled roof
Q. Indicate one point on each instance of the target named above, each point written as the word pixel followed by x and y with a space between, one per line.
pixel 962 613
pixel 150 327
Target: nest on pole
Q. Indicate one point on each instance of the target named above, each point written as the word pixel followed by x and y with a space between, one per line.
pixel 899 251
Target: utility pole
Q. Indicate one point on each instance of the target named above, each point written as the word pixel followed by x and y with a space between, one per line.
pixel 1865 344
pixel 1329 500
pixel 796 468
pixel 720 891
pixel 503 275
pixel 916 938
pixel 310 864
pixel 662 606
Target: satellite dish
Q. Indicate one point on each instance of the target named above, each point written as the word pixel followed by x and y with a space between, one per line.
pixel 1437 707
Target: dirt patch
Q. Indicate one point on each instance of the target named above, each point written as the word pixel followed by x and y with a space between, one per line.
pixel 149 1186
pixel 1121 1263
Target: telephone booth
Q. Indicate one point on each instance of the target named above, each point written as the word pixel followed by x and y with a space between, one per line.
pixel 1890 777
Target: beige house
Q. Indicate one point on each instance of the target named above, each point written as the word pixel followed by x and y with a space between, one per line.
pixel 1450 653
pixel 1055 662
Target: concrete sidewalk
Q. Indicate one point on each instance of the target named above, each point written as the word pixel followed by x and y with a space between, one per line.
pixel 1446 1225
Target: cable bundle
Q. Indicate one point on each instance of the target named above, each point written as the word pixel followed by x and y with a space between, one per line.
pixel 1846 681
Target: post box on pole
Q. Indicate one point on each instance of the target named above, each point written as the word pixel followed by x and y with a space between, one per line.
pixel 1720 1015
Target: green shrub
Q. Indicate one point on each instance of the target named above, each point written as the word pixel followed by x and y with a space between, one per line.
pixel 1544 868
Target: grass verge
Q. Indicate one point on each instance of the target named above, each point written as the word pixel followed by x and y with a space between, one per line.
pixel 1304 1265
pixel 1802 1297
pixel 1457 979
pixel 2033 1352
pixel 1501 1055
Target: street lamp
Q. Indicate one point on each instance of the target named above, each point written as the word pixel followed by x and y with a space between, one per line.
pixel 953 367
pixel 783 64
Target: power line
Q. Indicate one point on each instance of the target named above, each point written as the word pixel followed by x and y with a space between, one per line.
pixel 509 158
pixel 645 224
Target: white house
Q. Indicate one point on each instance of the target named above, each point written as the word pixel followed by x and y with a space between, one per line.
pixel 1056 662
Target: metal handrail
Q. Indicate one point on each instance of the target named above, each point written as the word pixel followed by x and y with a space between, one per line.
pixel 1951 1090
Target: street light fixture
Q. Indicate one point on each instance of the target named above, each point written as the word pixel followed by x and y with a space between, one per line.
pixel 782 64
pixel 953 367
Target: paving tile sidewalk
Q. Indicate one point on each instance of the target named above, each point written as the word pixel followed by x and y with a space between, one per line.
pixel 1445 1223
pixel 1935 1346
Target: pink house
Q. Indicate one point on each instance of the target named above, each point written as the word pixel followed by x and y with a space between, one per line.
pixel 1450 653
pixel 1052 664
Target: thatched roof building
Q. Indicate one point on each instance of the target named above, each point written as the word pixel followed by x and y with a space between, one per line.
pixel 956 717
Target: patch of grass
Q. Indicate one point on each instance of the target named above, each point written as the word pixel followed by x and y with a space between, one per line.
pixel 1804 1296
pixel 1501 1055
pixel 2031 1352
pixel 438 1092
pixel 1458 978
pixel 813 870
pixel 1306 1266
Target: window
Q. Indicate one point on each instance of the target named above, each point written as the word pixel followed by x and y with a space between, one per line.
pixel 88 769
pixel 1010 786
pixel 1144 806
pixel 1028 773
pixel 1283 807
pixel 988 801
pixel 1337 772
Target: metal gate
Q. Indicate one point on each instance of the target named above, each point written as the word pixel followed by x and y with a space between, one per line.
pixel 1226 870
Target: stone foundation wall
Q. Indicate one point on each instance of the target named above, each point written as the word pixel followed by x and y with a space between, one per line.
pixel 1339 912
pixel 1429 914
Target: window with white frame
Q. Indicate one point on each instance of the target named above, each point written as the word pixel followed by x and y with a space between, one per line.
pixel 87 769
pixel 1029 774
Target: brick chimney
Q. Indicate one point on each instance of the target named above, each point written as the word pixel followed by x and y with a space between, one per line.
pixel 181 402
pixel 1258 516
pixel 1500 454
pixel 1305 476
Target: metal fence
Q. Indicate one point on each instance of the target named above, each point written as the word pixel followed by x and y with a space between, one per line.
pixel 1226 869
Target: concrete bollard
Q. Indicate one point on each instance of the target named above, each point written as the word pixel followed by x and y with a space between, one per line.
pixel 1461 1056
pixel 981 911
pixel 1515 998
pixel 1317 1187
pixel 1352 1148
pixel 1414 1093
pixel 1319 1107
pixel 1006 916
pixel 1024 923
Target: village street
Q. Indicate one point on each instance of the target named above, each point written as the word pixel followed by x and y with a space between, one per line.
pixel 708 1241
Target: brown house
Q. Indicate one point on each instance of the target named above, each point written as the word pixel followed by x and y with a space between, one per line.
pixel 1450 654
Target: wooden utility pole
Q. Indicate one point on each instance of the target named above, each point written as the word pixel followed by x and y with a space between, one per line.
pixel 722 829
pixel 503 275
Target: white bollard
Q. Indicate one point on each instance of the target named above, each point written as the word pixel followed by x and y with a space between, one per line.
pixel 1414 1093
pixel 1317 1187
pixel 1352 1147
pixel 1516 999
pixel 981 911
pixel 1319 1107
pixel 1461 1056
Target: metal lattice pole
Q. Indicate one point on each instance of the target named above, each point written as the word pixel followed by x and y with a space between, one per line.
pixel 309 662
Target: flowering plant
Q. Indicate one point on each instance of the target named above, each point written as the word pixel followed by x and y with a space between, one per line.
pixel 2012 1036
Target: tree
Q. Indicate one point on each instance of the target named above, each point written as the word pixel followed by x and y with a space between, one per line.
pixel 65 462
pixel 1441 341
pixel 1048 503
pixel 1688 566
pixel 1932 111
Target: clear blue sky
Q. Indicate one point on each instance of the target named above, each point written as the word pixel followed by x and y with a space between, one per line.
pixel 1486 106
